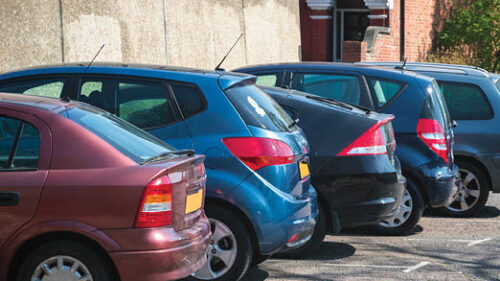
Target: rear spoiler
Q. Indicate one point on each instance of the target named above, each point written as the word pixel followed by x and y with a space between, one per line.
pixel 230 79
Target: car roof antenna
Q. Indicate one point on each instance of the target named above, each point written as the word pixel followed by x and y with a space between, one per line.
pixel 402 67
pixel 90 63
pixel 224 58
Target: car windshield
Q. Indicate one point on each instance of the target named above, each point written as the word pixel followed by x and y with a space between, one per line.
pixel 259 110
pixel 131 141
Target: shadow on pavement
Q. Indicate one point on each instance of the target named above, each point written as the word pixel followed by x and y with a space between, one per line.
pixel 329 251
pixel 487 212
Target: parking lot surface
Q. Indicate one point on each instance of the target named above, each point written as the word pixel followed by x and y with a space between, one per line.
pixel 441 249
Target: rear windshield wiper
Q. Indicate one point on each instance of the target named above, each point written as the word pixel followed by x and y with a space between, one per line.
pixel 187 152
pixel 295 122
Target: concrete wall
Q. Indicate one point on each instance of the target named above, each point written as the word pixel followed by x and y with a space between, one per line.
pixel 195 33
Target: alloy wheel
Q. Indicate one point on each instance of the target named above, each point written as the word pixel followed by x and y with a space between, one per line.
pixel 221 252
pixel 467 194
pixel 61 268
pixel 402 214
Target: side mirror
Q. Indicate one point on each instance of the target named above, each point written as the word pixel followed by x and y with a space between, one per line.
pixel 453 124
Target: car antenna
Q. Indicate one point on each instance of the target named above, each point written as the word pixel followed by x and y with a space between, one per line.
pixel 402 67
pixel 224 58
pixel 90 63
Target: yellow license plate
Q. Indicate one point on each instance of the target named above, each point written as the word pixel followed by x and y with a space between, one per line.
pixel 194 201
pixel 304 170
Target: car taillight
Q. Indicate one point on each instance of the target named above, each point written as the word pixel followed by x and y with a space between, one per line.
pixel 432 134
pixel 260 152
pixel 371 142
pixel 155 209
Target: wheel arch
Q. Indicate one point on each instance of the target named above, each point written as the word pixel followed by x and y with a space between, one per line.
pixel 478 164
pixel 34 242
pixel 225 204
pixel 418 183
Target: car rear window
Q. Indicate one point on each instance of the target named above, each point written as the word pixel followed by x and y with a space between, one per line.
pixel 435 106
pixel 258 109
pixel 125 137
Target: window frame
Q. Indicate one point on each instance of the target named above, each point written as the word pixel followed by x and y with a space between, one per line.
pixel 472 85
pixel 174 97
pixel 65 92
pixel 131 78
pixel 389 102
pixel 43 133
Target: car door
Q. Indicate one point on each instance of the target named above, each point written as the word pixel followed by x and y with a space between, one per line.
pixel 470 107
pixel 25 149
pixel 146 103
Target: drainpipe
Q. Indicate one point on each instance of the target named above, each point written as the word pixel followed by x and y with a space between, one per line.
pixel 402 30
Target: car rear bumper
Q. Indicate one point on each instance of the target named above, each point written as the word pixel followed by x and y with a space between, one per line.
pixel 440 182
pixel 363 199
pixel 276 216
pixel 160 254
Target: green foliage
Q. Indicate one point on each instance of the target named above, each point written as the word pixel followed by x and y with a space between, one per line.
pixel 472 34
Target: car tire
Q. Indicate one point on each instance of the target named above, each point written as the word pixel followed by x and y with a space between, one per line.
pixel 403 222
pixel 311 246
pixel 258 259
pixel 474 181
pixel 61 256
pixel 229 233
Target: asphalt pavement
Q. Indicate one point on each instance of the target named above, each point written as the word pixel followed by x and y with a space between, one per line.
pixel 441 248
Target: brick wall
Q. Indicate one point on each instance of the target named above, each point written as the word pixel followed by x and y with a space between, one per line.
pixel 423 18
pixel 316 34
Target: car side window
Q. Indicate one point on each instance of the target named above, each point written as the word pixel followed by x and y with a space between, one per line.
pixel 189 97
pixel 269 80
pixel 465 101
pixel 383 90
pixel 46 87
pixel 19 145
pixel 344 88
pixel 142 103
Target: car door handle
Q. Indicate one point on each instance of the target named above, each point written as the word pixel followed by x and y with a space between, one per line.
pixel 9 198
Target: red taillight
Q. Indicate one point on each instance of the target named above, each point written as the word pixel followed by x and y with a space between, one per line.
pixel 371 142
pixel 155 209
pixel 432 134
pixel 260 152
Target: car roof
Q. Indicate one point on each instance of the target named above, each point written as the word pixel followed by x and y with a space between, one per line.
pixel 435 67
pixel 226 79
pixel 370 70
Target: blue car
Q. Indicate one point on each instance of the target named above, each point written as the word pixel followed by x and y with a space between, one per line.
pixel 422 126
pixel 259 197
pixel 473 100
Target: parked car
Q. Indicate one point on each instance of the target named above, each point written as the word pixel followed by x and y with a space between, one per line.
pixel 259 197
pixel 474 103
pixel 85 195
pixel 353 166
pixel 421 125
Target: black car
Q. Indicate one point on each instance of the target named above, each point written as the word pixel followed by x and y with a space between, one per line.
pixel 352 161
pixel 473 100
pixel 422 125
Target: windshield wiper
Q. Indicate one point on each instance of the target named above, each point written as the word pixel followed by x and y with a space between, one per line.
pixel 187 152
pixel 295 122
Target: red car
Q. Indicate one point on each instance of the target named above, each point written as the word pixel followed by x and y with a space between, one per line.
pixel 87 196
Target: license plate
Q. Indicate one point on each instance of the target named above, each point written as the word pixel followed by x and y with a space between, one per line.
pixel 304 170
pixel 194 201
